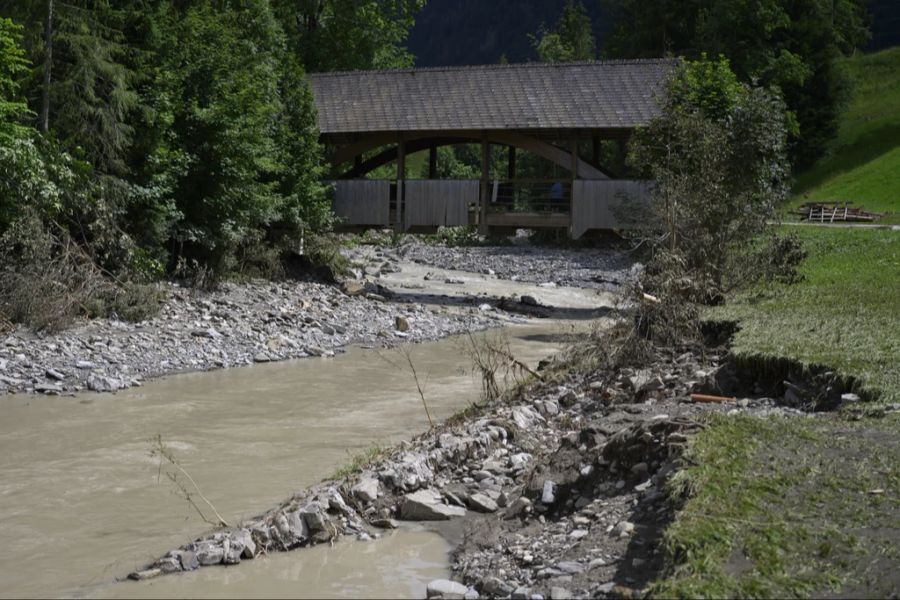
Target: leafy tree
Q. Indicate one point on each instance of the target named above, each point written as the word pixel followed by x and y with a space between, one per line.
pixel 719 167
pixel 791 44
pixel 337 35
pixel 571 40
pixel 12 65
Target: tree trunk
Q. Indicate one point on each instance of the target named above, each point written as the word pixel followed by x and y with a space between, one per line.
pixel 48 63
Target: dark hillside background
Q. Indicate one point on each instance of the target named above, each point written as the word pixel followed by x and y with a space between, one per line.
pixel 468 32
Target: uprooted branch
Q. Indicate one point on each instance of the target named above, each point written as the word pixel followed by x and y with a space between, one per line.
pixel 164 453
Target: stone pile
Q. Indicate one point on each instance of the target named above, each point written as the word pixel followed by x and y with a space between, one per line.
pixel 561 490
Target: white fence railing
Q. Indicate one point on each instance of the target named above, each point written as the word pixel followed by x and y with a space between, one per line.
pixel 608 204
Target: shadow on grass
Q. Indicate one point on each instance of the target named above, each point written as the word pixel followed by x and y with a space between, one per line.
pixel 864 149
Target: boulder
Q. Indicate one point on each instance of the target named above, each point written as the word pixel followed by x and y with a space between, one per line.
pixel 427 505
pixel 100 383
pixel 444 588
pixel 401 324
pixel 367 489
pixel 481 503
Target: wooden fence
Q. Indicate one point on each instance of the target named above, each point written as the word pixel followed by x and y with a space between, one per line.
pixel 438 202
pixel 363 201
pixel 608 204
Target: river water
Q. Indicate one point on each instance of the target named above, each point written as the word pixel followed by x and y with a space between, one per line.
pixel 81 503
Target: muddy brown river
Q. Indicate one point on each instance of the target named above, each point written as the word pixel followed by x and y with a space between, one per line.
pixel 81 504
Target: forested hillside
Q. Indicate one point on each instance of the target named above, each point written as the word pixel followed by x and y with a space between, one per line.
pixel 469 32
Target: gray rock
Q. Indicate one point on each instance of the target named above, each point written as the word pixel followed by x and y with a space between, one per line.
pixel 569 399
pixel 570 567
pixel 145 574
pixel 577 534
pixel 548 494
pixel 262 357
pixel 427 505
pixel 495 586
pixel 244 539
pixel 54 374
pixel 47 388
pixel 559 593
pixel 850 397
pixel 481 503
pixel 84 364
pixel 367 489
pixel 100 383
pixel 521 593
pixel 401 324
pixel 188 560
pixel 210 555
pixel 529 300
pixel 313 517
pixel 517 508
pixel 623 528
pixel 444 588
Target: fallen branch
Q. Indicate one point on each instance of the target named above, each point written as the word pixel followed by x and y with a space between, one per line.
pixel 709 398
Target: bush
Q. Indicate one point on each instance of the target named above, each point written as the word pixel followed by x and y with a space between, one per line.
pixel 47 280
pixel 717 155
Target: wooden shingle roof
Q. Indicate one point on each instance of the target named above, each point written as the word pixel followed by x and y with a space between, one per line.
pixel 585 95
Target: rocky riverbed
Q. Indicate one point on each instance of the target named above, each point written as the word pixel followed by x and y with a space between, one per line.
pixel 558 490
pixel 595 268
pixel 236 325
pixel 262 321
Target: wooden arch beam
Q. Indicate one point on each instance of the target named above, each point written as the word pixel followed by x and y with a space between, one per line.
pixel 418 142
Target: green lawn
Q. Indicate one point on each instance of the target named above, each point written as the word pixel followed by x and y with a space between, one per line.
pixel 844 314
pixel 787 508
pixel 863 165
pixel 802 507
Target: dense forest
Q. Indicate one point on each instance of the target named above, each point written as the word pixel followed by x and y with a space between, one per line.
pixel 143 138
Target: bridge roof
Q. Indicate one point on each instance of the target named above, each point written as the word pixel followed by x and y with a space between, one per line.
pixel 532 96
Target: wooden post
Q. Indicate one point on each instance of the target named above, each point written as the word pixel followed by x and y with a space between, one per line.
pixel 511 168
pixel 485 182
pixel 432 162
pixel 401 177
pixel 595 150
pixel 623 154
pixel 357 161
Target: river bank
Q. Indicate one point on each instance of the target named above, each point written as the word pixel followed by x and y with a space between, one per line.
pixel 264 321
pixel 557 491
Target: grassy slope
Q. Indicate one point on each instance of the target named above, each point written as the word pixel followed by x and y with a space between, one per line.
pixel 806 507
pixel 864 163
pixel 844 314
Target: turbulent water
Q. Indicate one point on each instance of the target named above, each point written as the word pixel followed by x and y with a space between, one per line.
pixel 82 502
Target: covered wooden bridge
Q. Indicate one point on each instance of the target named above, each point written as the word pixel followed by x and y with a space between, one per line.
pixel 566 114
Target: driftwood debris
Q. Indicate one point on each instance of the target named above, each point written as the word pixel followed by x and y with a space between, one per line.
pixel 829 212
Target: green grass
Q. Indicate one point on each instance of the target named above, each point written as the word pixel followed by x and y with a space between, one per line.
pixel 786 508
pixel 845 314
pixel 863 165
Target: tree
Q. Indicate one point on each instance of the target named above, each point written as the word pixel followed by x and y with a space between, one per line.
pixel 339 35
pixel 571 40
pixel 717 156
pixel 791 44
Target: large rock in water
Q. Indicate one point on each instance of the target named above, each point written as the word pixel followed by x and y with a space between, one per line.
pixel 428 505
pixel 444 588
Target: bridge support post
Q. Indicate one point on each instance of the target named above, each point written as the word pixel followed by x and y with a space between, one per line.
pixel 485 184
pixel 401 177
